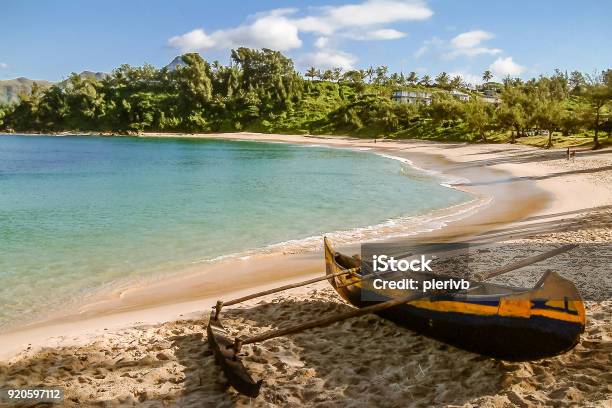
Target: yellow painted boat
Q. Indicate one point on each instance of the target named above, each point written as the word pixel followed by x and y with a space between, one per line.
pixel 508 323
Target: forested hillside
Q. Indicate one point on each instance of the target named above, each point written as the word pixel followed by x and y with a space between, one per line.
pixel 261 91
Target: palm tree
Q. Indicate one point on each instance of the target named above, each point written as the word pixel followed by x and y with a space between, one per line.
pixel 442 80
pixel 456 82
pixel 369 73
pixel 487 76
pixel 363 73
pixel 336 73
pixel 413 78
pixel 426 80
pixel 402 79
pixel 311 73
pixel 216 66
pixel 394 79
pixel 381 74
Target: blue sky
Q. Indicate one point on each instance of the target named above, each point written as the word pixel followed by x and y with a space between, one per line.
pixel 50 39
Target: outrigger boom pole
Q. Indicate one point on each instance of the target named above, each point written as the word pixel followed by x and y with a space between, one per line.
pixel 221 303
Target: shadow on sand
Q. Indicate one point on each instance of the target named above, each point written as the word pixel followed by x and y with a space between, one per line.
pixel 365 361
pixel 594 217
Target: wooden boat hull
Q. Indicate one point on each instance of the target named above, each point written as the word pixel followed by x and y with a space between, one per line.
pixel 526 324
pixel 235 372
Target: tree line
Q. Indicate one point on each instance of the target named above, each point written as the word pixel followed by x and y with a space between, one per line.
pixel 380 76
pixel 260 90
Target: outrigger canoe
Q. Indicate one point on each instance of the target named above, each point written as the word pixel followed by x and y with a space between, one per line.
pixel 508 323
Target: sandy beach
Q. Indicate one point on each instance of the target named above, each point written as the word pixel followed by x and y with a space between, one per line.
pixel 146 344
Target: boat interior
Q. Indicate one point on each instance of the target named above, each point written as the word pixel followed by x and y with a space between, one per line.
pixel 477 291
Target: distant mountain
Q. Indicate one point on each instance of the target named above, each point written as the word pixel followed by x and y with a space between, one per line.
pixel 89 74
pixel 11 89
pixel 176 62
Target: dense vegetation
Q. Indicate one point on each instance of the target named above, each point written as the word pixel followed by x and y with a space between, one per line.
pixel 261 91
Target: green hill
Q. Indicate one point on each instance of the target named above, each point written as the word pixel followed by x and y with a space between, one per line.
pixel 11 89
pixel 261 91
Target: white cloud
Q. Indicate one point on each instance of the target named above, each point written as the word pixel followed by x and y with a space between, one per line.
pixel 381 34
pixel 328 58
pixel 3 65
pixel 467 77
pixel 192 41
pixel 427 45
pixel 421 51
pixel 470 39
pixel 367 13
pixel 271 30
pixel 503 67
pixel 378 12
pixel 312 24
pixel 469 44
pixel 279 29
pixel 321 42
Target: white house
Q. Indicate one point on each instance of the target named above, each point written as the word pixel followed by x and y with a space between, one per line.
pixel 490 92
pixel 462 96
pixel 491 99
pixel 412 97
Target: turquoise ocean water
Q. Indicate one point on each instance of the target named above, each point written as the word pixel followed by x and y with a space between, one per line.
pixel 78 214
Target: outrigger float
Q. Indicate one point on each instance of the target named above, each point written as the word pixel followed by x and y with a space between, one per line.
pixel 503 322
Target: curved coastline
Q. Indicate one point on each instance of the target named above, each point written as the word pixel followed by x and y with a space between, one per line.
pixel 391 228
pixel 395 227
pixel 196 288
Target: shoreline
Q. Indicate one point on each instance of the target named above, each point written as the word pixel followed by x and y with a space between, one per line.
pixel 171 298
pixel 113 298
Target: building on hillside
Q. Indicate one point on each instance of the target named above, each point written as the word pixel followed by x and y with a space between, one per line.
pixel 490 95
pixel 462 96
pixel 496 100
pixel 412 97
pixel 490 92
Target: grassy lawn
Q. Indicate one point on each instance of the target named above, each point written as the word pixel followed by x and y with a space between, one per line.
pixel 584 139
